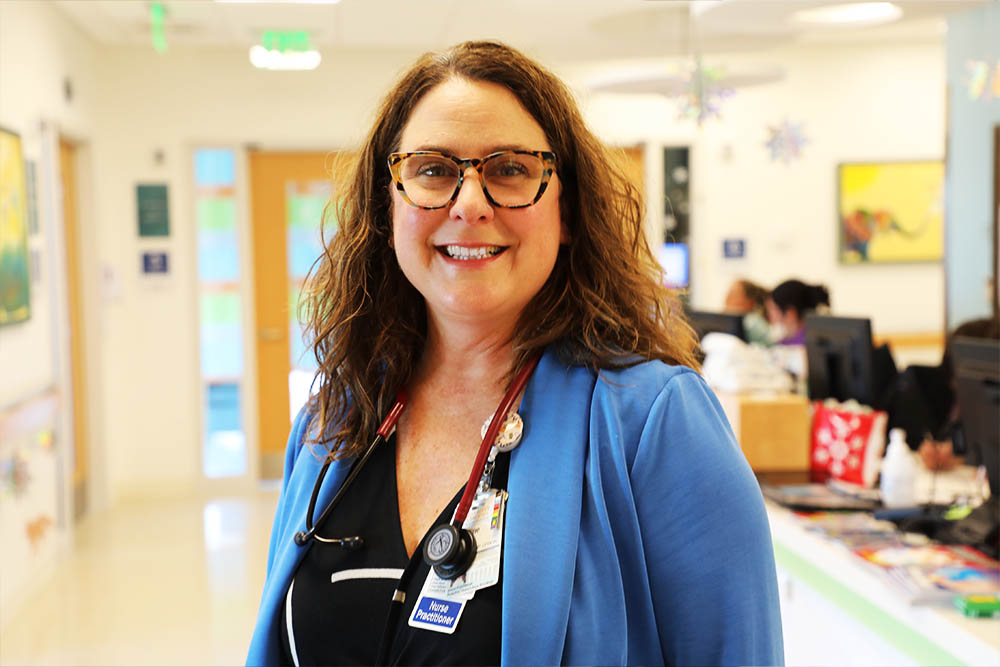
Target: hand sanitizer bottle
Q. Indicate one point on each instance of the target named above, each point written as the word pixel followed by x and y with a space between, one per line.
pixel 899 472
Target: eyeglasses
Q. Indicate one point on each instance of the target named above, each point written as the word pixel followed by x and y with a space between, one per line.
pixel 510 179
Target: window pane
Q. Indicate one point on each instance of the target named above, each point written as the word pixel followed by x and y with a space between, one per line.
pixel 221 312
pixel 225 444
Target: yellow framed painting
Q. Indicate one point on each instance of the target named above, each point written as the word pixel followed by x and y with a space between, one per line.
pixel 890 212
pixel 14 281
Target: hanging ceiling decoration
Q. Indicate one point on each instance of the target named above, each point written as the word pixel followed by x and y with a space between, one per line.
pixel 704 91
pixel 700 87
pixel 785 141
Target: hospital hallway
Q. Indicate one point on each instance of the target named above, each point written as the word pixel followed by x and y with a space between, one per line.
pixel 154 582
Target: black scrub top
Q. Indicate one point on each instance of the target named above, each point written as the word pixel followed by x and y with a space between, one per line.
pixel 336 607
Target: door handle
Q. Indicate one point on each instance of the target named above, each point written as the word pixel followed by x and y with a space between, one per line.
pixel 270 334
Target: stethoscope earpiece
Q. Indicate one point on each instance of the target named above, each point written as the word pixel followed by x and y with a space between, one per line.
pixel 450 551
pixel 301 538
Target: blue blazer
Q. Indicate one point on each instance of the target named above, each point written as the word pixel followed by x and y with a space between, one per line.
pixel 635 530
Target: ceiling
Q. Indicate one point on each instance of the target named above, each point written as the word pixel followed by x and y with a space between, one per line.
pixel 558 29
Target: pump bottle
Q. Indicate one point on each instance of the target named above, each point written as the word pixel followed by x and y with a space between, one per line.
pixel 899 472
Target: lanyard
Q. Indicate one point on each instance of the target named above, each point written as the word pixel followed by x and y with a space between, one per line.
pixel 442 560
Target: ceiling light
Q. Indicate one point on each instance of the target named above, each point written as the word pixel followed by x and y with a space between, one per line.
pixel 273 59
pixel 854 14
pixel 280 2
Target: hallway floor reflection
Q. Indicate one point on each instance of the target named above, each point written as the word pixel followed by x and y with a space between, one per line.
pixel 162 582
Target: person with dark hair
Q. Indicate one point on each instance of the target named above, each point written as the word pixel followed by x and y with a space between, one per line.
pixel 787 307
pixel 490 264
pixel 922 401
pixel 749 299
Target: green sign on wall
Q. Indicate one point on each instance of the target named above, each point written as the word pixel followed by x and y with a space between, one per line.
pixel 154 216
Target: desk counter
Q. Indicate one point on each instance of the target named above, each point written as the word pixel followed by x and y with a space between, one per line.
pixel 838 610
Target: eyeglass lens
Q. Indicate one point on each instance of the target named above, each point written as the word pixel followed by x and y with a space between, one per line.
pixel 511 179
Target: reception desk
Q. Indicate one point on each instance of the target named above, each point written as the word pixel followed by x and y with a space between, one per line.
pixel 836 610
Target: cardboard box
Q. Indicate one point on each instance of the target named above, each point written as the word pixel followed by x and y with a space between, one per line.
pixel 772 429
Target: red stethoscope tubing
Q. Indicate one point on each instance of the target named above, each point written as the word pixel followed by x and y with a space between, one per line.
pixel 385 430
pixel 491 435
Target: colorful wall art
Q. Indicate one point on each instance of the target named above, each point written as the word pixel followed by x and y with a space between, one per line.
pixel 891 212
pixel 14 277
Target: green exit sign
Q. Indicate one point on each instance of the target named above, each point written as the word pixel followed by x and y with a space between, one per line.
pixel 285 40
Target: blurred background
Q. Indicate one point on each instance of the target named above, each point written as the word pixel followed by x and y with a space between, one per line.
pixel 165 169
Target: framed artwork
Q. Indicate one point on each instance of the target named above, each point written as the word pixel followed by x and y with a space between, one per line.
pixel 14 274
pixel 890 212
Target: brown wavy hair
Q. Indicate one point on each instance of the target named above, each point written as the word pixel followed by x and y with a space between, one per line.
pixel 603 306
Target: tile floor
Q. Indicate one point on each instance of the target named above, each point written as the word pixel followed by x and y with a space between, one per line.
pixel 153 583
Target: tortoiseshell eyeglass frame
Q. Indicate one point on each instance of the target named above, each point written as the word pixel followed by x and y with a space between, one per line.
pixel 548 159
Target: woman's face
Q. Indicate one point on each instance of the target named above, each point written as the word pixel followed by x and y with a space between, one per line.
pixel 737 300
pixel 472 119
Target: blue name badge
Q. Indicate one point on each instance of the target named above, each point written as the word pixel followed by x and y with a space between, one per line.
pixel 437 614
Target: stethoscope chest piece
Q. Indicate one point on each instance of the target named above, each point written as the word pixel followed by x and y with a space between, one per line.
pixel 510 432
pixel 450 551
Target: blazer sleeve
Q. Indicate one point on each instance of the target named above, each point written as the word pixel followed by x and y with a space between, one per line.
pixel 295 439
pixel 705 534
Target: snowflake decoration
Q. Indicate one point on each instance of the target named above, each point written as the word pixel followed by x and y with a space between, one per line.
pixel 785 141
pixel 982 83
pixel 703 92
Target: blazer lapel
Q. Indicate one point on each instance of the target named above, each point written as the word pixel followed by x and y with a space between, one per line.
pixel 543 513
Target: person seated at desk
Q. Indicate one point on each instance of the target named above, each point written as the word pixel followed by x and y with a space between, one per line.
pixel 787 307
pixel 747 298
pixel 923 401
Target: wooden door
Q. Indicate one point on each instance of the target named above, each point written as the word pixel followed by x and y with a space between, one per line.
pixel 288 194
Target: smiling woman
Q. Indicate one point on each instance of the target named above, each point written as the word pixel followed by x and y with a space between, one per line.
pixel 490 264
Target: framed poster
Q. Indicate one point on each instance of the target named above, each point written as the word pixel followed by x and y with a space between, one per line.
pixel 14 274
pixel 890 212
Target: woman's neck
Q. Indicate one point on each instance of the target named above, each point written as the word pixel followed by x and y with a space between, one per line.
pixel 465 357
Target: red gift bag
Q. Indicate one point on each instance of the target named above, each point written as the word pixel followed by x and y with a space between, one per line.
pixel 847 441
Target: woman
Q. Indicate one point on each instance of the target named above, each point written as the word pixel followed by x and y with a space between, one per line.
pixel 484 227
pixel 749 299
pixel 787 307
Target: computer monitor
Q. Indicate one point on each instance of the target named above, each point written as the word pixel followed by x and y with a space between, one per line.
pixel 673 258
pixel 704 322
pixel 977 388
pixel 839 357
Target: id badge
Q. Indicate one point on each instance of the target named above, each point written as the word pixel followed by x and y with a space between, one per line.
pixel 441 602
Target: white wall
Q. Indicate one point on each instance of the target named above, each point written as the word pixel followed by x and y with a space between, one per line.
pixel 855 103
pixel 39 48
pixel 972 35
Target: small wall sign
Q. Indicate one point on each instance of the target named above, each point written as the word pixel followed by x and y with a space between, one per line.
pixel 155 263
pixel 734 248
pixel 153 212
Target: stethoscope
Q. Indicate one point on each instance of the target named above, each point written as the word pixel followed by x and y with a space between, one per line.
pixel 448 548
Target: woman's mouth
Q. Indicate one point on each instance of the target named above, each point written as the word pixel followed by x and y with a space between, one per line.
pixel 461 252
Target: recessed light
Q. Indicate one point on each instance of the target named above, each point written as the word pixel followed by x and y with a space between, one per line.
pixel 854 13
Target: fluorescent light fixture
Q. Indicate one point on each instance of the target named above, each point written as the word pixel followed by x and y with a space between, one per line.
pixel 279 2
pixel 274 59
pixel 855 13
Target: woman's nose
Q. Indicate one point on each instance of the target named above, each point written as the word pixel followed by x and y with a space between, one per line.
pixel 471 204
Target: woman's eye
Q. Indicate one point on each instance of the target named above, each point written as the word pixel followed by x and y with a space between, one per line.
pixel 434 170
pixel 510 168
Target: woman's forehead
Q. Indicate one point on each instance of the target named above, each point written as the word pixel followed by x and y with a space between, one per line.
pixel 471 118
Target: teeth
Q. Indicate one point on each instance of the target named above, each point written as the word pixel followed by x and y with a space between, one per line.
pixel 481 252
